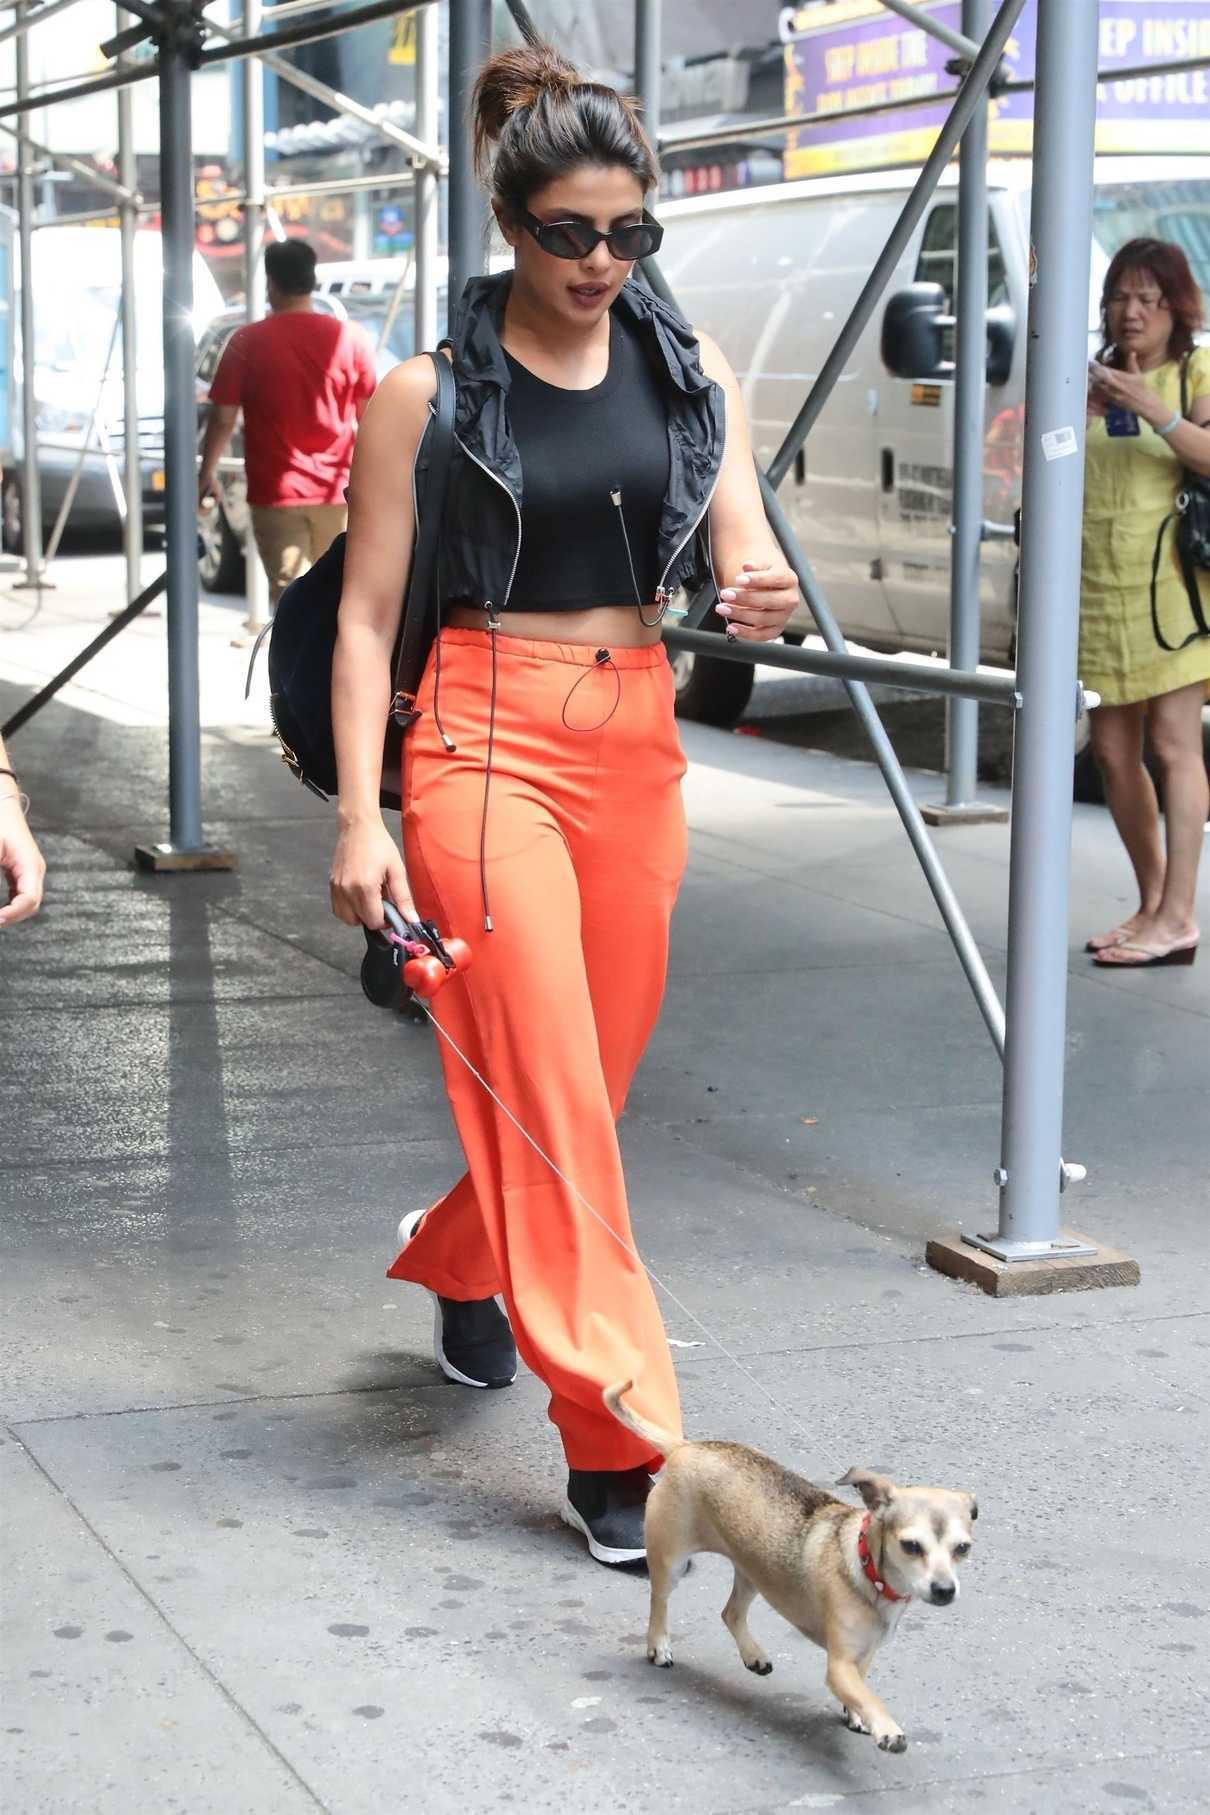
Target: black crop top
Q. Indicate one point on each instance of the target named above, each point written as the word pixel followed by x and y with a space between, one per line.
pixel 578 449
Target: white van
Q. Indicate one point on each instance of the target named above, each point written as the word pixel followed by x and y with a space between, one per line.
pixel 77 291
pixel 772 273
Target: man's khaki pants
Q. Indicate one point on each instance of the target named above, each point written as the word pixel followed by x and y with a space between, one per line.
pixel 291 537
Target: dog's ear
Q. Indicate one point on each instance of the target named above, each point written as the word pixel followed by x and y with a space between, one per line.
pixel 974 1507
pixel 875 1490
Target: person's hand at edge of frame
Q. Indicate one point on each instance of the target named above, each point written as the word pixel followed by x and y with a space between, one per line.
pixel 21 862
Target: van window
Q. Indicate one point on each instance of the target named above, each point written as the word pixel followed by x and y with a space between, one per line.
pixel 1178 211
pixel 938 262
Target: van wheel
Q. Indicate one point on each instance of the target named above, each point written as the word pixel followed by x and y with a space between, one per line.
pixel 220 557
pixel 713 692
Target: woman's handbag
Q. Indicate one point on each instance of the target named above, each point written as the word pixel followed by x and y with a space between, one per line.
pixel 1192 518
pixel 303 641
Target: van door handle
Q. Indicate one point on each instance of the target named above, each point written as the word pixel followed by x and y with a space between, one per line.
pixel 800 467
pixel 888 469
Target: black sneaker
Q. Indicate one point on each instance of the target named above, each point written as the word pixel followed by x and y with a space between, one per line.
pixel 608 1505
pixel 472 1338
pixel 473 1342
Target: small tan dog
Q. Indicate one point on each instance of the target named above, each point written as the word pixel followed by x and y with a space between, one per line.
pixel 841 1576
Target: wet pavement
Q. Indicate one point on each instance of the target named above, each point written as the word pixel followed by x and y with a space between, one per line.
pixel 259 1558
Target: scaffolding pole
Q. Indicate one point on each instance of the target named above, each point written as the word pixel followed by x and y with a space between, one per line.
pixel 128 221
pixel 425 193
pixel 256 583
pixel 184 848
pixel 1030 1173
pixel 470 42
pixel 31 478
pixel 961 805
pixel 648 35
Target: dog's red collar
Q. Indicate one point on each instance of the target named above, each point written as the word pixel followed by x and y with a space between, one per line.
pixel 867 1564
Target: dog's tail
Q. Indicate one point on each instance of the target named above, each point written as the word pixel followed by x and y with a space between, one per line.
pixel 663 1441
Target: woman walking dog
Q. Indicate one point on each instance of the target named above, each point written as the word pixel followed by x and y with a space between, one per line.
pixel 601 460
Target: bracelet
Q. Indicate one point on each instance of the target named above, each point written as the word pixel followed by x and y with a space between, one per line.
pixel 22 800
pixel 11 773
pixel 1174 422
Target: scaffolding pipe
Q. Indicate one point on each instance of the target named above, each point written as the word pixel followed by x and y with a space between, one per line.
pixel 223 53
pixel 256 583
pixel 968 97
pixel 966 42
pixel 425 193
pixel 31 477
pixel 66 162
pixel 180 451
pixel 648 20
pixel 1051 516
pixel 128 221
pixel 470 42
pixel 995 689
pixel 27 19
pixel 416 148
pixel 950 908
pixel 970 398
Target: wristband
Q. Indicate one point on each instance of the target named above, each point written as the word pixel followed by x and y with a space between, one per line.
pixel 12 773
pixel 1174 422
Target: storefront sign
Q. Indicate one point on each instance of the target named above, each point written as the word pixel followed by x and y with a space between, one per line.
pixel 859 54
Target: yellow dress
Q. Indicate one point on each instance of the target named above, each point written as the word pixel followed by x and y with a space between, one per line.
pixel 1130 485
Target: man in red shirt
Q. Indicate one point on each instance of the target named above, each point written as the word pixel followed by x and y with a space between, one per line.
pixel 302 380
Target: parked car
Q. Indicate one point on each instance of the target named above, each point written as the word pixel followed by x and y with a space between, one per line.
pixel 77 279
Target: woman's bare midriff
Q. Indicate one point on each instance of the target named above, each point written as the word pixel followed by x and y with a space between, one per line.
pixel 619 625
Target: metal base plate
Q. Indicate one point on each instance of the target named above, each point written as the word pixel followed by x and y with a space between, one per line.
pixel 1065 1247
pixel 166 859
pixel 968 813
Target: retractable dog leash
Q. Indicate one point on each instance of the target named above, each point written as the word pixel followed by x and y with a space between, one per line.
pixel 417 947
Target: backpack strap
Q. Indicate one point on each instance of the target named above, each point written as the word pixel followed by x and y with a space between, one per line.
pixel 422 609
pixel 1188 571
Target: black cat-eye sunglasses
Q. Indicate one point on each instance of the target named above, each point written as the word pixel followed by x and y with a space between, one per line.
pixel 577 239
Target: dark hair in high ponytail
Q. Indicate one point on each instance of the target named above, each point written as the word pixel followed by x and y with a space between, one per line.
pixel 534 120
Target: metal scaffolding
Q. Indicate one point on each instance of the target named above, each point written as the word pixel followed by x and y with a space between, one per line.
pixel 1044 693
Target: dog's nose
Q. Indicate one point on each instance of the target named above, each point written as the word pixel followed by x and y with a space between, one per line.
pixel 942 1592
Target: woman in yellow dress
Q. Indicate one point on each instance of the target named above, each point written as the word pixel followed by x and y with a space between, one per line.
pixel 1140 442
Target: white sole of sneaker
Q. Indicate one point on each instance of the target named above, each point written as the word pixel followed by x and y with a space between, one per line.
pixel 439 1355
pixel 604 1553
pixel 407 1227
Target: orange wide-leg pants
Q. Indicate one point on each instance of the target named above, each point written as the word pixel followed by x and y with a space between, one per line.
pixel 584 851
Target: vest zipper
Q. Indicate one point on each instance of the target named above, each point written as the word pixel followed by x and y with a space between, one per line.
pixel 662 595
pixel 483 467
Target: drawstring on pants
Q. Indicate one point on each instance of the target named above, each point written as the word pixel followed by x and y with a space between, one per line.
pixel 493 626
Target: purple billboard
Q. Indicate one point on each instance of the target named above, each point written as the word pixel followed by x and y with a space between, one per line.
pixel 858 54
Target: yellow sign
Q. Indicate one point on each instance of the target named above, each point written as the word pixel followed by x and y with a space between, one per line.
pixel 403 40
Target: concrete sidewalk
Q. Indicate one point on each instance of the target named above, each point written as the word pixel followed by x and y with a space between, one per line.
pixel 260 1559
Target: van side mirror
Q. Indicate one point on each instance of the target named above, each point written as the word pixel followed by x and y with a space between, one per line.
pixel 912 328
pixel 1001 338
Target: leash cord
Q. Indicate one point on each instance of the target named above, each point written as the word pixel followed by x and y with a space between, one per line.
pixel 626 1246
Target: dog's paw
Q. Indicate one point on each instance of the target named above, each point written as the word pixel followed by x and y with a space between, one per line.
pixel 759 1665
pixel 894 1741
pixel 854 1722
pixel 660 1655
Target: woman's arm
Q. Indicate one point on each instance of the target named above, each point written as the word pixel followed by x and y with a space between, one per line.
pixel 21 862
pixel 367 864
pixel 759 592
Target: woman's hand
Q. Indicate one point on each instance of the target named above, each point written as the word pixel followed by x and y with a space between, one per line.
pixel 366 866
pixel 1125 388
pixel 21 863
pixel 759 602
